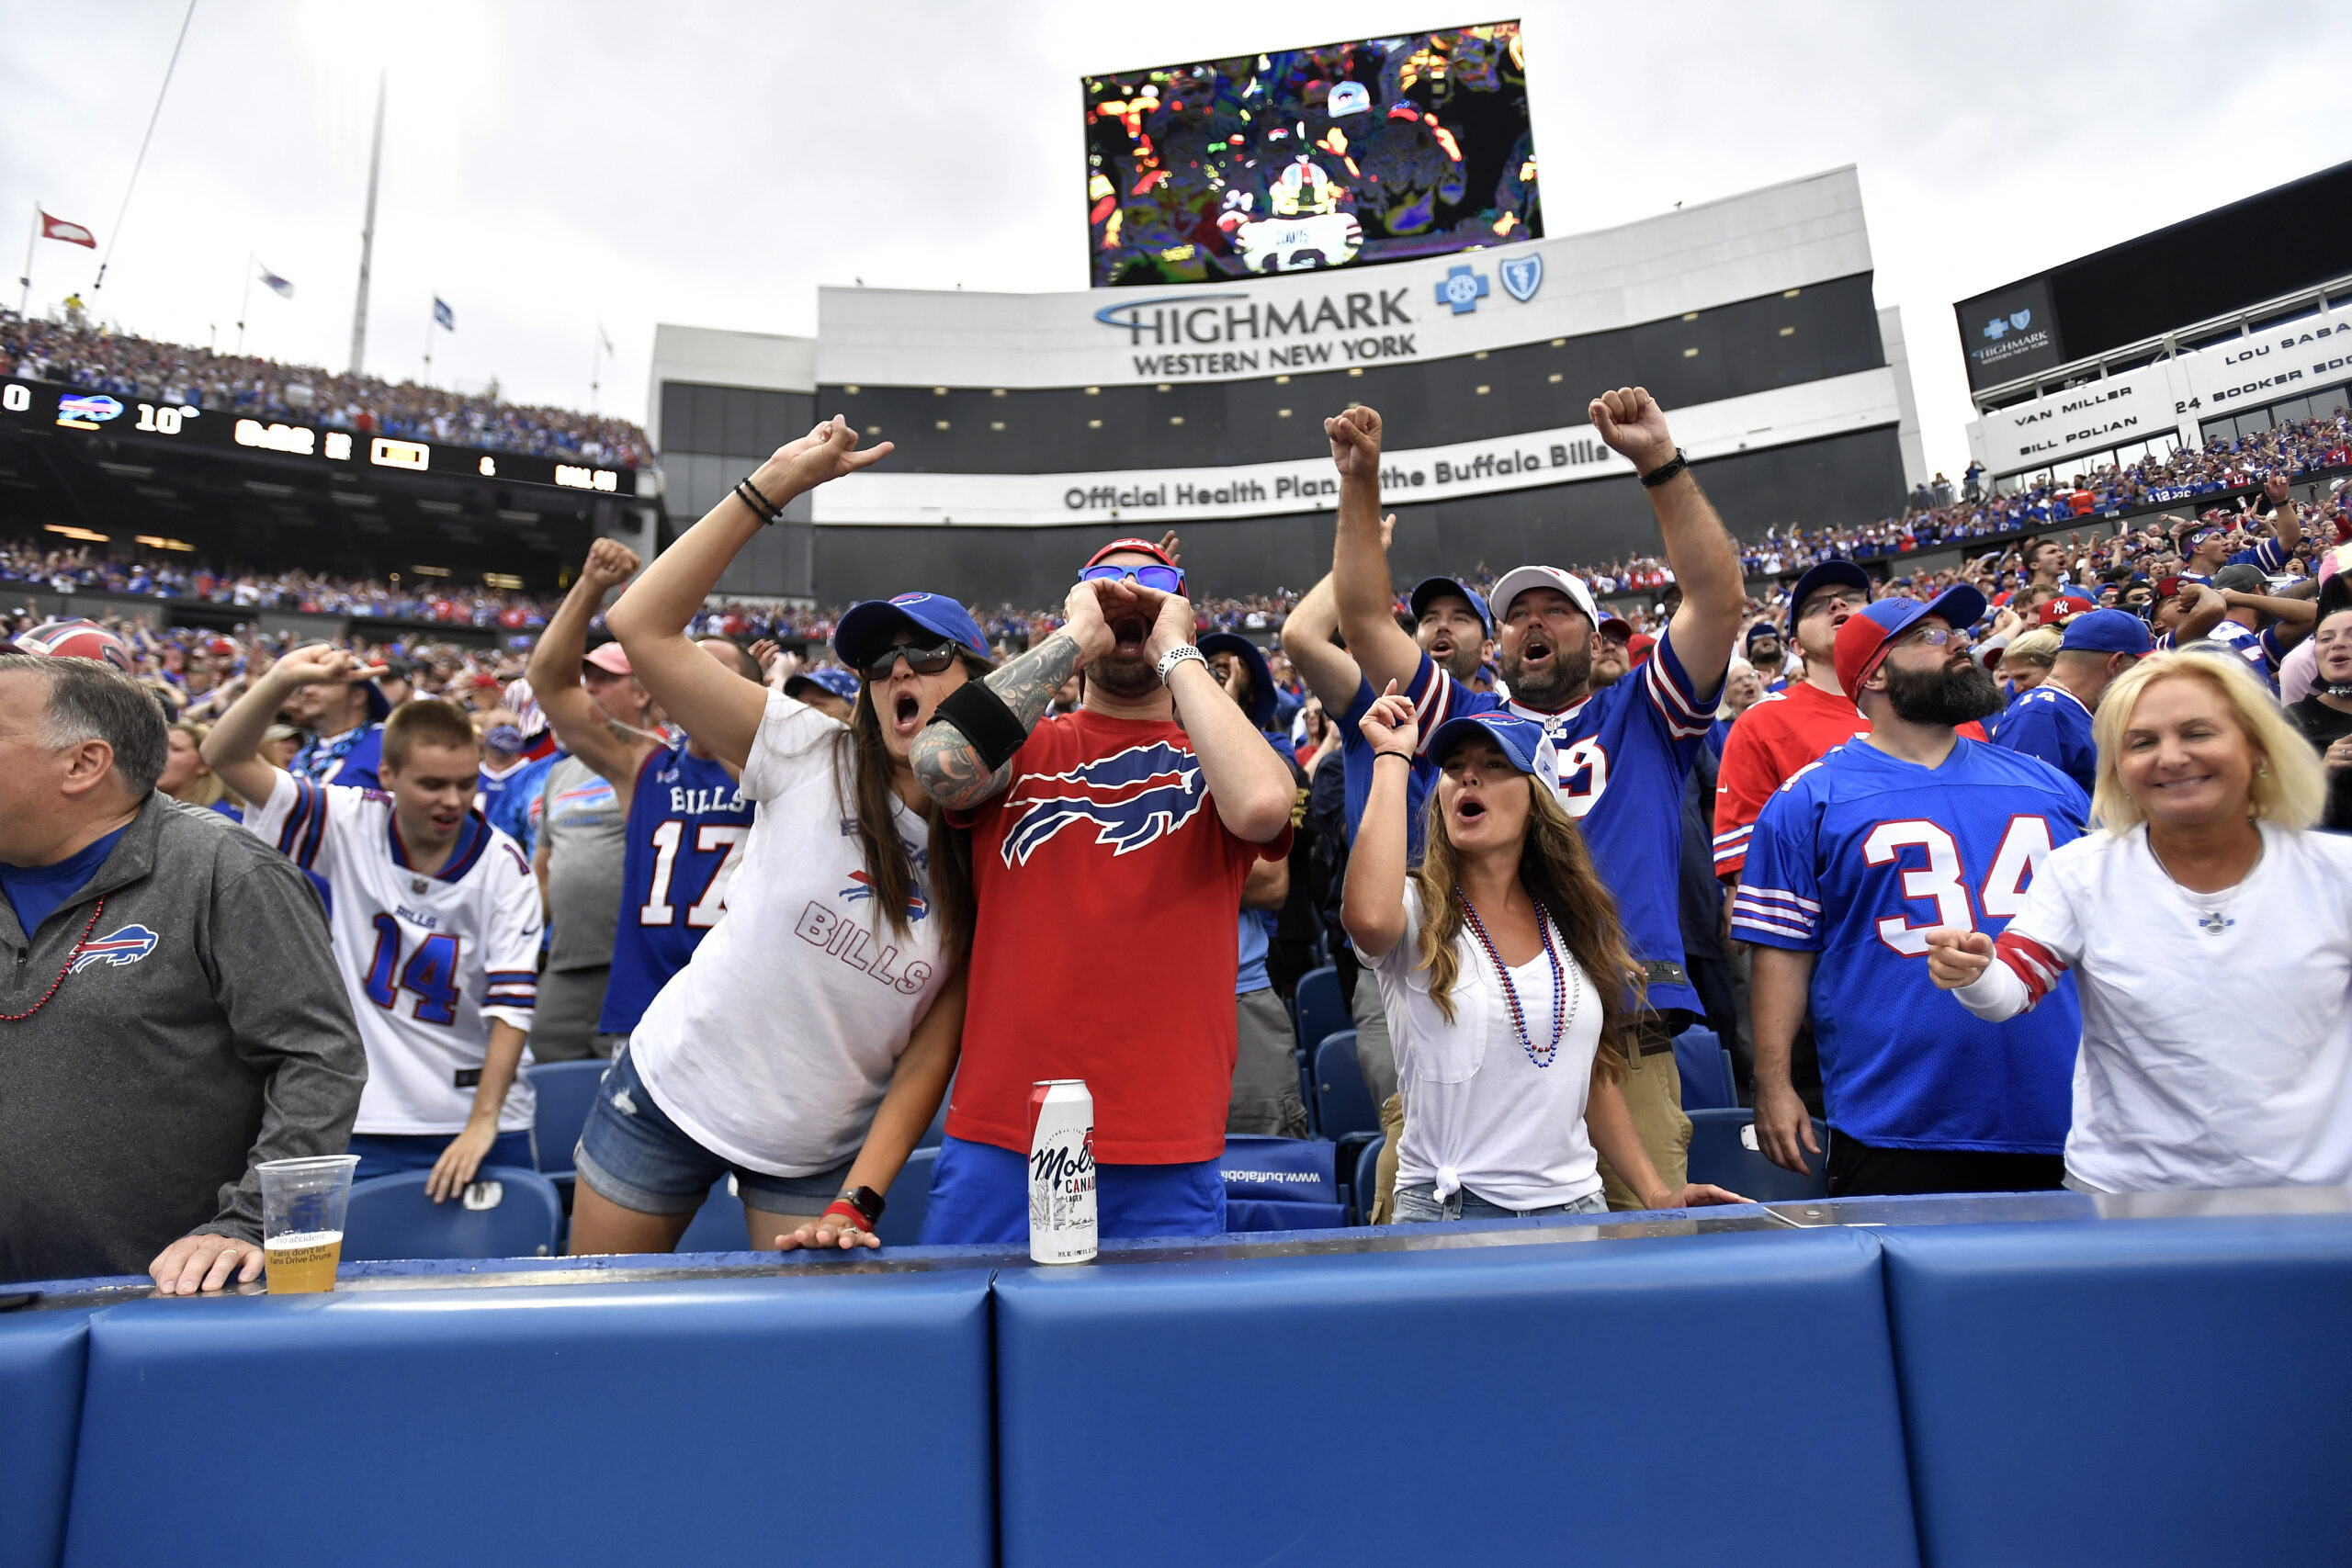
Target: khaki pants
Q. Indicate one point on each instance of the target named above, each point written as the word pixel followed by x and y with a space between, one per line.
pixel 1265 1072
pixel 1654 1094
pixel 1382 1207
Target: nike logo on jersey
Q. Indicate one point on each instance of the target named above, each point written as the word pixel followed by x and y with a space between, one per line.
pixel 1132 798
pixel 125 944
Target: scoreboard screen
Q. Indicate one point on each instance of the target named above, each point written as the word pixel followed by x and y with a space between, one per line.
pixel 47 405
pixel 1380 150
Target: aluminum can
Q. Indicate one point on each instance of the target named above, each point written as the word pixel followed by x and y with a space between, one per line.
pixel 1062 1227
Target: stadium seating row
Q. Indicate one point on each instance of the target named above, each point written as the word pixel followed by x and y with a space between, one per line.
pixel 2149 1391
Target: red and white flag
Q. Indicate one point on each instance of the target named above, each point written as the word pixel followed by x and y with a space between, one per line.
pixel 72 233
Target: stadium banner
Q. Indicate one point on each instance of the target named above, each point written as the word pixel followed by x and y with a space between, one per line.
pixel 50 405
pixel 1743 247
pixel 2170 396
pixel 1863 400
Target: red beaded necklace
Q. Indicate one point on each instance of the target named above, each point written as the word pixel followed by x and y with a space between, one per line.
pixel 72 956
pixel 1563 1014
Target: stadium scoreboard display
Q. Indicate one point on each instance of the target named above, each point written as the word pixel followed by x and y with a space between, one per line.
pixel 47 405
pixel 1340 154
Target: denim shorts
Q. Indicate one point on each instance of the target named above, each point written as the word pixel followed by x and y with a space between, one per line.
pixel 633 1154
pixel 1418 1204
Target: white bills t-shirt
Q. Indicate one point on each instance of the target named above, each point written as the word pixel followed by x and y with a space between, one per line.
pixel 775 1044
pixel 428 961
pixel 1478 1112
pixel 2217 1027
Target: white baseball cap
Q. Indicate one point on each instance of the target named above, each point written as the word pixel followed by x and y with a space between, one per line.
pixel 1518 580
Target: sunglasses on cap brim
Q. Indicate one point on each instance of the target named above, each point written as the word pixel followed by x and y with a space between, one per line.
pixel 1158 579
pixel 921 661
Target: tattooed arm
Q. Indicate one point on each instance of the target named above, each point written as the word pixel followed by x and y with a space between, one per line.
pixel 948 766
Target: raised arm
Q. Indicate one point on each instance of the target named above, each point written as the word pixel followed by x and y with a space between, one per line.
pixel 2286 516
pixel 234 749
pixel 718 707
pixel 948 763
pixel 1372 905
pixel 1366 601
pixel 1247 779
pixel 554 670
pixel 1699 550
pixel 1330 670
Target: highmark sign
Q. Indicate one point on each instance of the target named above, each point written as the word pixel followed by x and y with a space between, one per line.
pixel 877 496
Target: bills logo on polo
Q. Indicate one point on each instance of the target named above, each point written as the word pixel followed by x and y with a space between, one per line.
pixel 126 944
pixel 429 960
pixel 861 885
pixel 1132 800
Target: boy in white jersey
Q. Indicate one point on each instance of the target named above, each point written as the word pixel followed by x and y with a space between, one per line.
pixel 436 927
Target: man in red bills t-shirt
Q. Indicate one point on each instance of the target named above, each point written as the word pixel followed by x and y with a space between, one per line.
pixel 1109 849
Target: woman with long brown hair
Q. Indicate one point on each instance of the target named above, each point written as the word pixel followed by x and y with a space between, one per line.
pixel 806 1043
pixel 1505 977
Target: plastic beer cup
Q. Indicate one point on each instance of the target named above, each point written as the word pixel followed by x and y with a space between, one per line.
pixel 302 1204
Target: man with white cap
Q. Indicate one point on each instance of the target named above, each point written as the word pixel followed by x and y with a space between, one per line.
pixel 1623 752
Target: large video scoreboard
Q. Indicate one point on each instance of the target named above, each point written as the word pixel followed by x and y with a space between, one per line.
pixel 50 406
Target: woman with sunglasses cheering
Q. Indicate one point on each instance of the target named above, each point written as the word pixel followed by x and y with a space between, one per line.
pixel 808 1044
pixel 1505 977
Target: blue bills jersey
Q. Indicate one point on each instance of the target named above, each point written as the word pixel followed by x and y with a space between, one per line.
pixel 1854 859
pixel 1624 754
pixel 2050 722
pixel 686 826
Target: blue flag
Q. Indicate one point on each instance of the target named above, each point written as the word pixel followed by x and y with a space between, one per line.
pixel 276 284
pixel 442 315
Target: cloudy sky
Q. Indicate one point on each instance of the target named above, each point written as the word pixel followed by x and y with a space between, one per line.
pixel 548 167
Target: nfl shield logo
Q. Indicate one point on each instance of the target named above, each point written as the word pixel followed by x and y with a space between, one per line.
pixel 1522 276
pixel 418 885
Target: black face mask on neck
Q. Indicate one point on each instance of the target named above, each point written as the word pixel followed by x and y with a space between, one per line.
pixel 2339 689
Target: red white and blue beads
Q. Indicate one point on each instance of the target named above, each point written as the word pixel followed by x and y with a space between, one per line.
pixel 1564 1013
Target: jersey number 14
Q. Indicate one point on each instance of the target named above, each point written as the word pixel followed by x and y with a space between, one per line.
pixel 2000 897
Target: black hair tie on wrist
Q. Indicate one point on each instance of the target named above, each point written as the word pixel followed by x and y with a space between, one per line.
pixel 767 511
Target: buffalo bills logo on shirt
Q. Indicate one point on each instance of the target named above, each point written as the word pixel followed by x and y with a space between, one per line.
pixel 125 944
pixel 1133 799
pixel 862 886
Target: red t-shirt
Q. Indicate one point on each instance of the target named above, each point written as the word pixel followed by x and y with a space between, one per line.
pixel 1782 733
pixel 1104 948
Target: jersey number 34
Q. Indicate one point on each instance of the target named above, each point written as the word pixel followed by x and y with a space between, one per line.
pixel 2000 897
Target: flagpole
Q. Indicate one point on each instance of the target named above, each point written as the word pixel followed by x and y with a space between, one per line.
pixel 428 347
pixel 25 300
pixel 595 363
pixel 248 300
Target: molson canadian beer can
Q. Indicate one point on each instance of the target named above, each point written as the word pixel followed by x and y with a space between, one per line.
pixel 1061 1172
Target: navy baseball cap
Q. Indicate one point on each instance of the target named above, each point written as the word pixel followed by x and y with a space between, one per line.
pixel 1522 740
pixel 2106 631
pixel 1430 588
pixel 832 678
pixel 1832 573
pixel 1261 679
pixel 865 629
pixel 1760 630
pixel 1862 641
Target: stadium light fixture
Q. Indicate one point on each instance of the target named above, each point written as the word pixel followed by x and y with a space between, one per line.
pixel 87 536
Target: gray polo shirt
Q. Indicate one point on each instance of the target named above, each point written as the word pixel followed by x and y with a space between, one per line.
pixel 583 821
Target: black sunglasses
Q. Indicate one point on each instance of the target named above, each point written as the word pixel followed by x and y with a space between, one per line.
pixel 921 661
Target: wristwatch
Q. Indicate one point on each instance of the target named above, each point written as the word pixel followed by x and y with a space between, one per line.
pixel 1175 656
pixel 864 1200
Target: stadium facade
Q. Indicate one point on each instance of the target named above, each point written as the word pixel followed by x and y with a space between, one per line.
pixel 1029 426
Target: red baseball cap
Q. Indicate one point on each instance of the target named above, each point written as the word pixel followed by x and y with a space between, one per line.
pixel 1863 640
pixel 610 657
pixel 1142 547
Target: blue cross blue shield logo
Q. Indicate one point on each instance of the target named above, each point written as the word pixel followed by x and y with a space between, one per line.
pixel 1522 275
pixel 2021 319
pixel 1461 288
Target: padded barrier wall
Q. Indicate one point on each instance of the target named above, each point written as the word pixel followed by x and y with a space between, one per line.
pixel 2144 1391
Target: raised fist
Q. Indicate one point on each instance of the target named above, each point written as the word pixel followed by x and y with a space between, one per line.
pixel 1355 442
pixel 610 563
pixel 1634 426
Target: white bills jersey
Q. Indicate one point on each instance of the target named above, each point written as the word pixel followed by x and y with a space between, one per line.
pixel 428 961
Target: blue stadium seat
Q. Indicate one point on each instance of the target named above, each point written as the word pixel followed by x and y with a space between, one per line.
pixel 719 1225
pixel 903 1205
pixel 1284 1184
pixel 692 1370
pixel 391 1217
pixel 42 1357
pixel 1160 1360
pixel 1705 1069
pixel 1342 1102
pixel 1719 1153
pixel 567 1092
pixel 1322 1010
pixel 1360 1196
pixel 2142 1390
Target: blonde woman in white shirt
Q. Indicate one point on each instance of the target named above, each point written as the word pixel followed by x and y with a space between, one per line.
pixel 2211 935
pixel 1505 978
